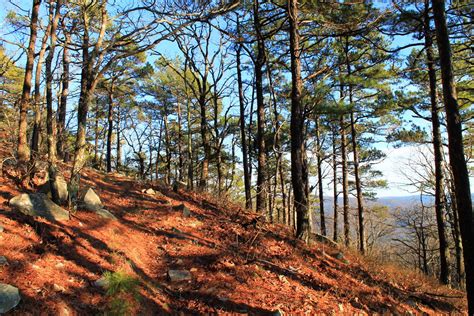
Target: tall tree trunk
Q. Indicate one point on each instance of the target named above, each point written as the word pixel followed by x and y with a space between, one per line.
pixel 88 85
pixel 456 149
pixel 37 128
pixel 299 172
pixel 320 179
pixel 96 133
pixel 355 152
pixel 262 179
pixel 335 202
pixel 23 149
pixel 360 198
pixel 243 145
pixel 190 147
pixel 167 149
pixel 110 127
pixel 180 141
pixel 345 182
pixel 438 155
pixel 119 144
pixel 50 119
pixel 62 110
pixel 205 139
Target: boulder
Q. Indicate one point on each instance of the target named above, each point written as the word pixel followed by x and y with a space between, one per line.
pixel 149 191
pixel 90 200
pixel 60 185
pixel 3 261
pixel 179 275
pixel 105 214
pixel 102 283
pixel 182 208
pixel 9 297
pixel 38 204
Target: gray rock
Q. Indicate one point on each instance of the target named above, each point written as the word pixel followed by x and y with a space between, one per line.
pixel 38 204
pixel 102 283
pixel 1 229
pixel 9 297
pixel 3 261
pixel 91 201
pixel 182 208
pixel 105 214
pixel 179 275
pixel 60 185
pixel 339 256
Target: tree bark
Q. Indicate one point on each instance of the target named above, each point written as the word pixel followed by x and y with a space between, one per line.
pixel 456 149
pixel 299 172
pixel 50 119
pixel 110 127
pixel 37 128
pixel 23 150
pixel 262 185
pixel 320 179
pixel 248 194
pixel 345 182
pixel 62 110
pixel 335 202
pixel 438 155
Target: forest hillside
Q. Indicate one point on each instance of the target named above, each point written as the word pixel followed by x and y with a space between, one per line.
pixel 173 253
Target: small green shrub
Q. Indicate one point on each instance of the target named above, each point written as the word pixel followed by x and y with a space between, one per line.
pixel 122 290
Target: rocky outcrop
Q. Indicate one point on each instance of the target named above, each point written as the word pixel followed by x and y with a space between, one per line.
pixel 9 297
pixel 90 200
pixel 59 184
pixel 38 204
pixel 179 275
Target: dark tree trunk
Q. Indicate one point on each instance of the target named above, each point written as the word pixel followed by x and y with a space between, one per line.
pixel 62 110
pixel 456 149
pixel 262 185
pixel 205 139
pixel 335 202
pixel 37 125
pixel 119 145
pixel 438 155
pixel 360 200
pixel 299 172
pixel 50 119
pixel 180 145
pixel 110 128
pixel 23 149
pixel 345 182
pixel 248 194
pixel 320 179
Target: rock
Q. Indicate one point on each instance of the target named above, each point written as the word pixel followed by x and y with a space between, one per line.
pixel 9 297
pixel 179 275
pixel 182 208
pixel 339 256
pixel 91 201
pixel 277 313
pixel 38 204
pixel 102 283
pixel 60 184
pixel 1 229
pixel 105 214
pixel 149 191
pixel 3 261
pixel 58 288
